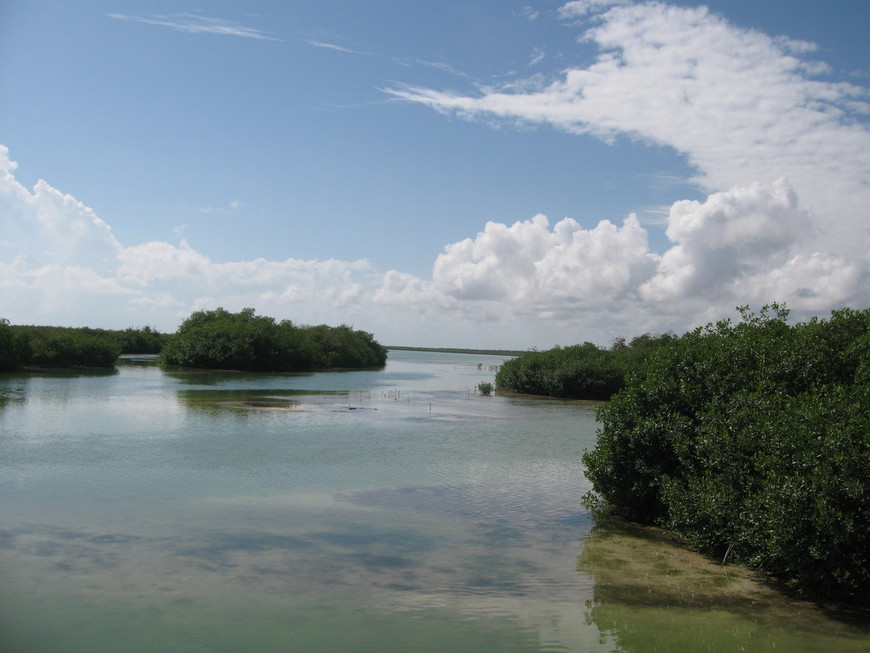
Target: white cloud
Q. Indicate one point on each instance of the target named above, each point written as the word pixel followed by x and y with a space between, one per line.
pixel 196 24
pixel 46 226
pixel 537 57
pixel 62 265
pixel 333 46
pixel 582 8
pixel 738 246
pixel 233 206
pixel 529 267
pixel 528 13
pixel 444 67
pixel 543 284
pixel 726 238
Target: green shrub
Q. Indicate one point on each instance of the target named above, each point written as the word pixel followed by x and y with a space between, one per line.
pixel 9 359
pixel 144 340
pixel 752 441
pixel 577 372
pixel 51 346
pixel 219 339
pixel 43 346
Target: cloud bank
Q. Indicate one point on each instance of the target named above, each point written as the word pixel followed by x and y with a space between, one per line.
pixel 61 264
pixel 780 152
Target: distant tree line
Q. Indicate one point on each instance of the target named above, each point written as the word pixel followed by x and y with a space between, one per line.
pixel 214 339
pixel 752 442
pixel 218 339
pixel 60 347
pixel 577 372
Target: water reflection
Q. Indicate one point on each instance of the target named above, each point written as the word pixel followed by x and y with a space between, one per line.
pixel 10 395
pixel 248 400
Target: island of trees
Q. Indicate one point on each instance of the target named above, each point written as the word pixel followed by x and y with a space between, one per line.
pixel 216 339
pixel 219 339
pixel 64 347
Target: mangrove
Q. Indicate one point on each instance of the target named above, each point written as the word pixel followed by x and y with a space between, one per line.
pixel 219 339
pixel 751 441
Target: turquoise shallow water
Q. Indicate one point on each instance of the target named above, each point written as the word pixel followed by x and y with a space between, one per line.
pixel 387 510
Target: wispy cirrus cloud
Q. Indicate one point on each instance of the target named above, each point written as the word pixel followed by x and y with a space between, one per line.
pixel 528 13
pixel 196 24
pixel 404 62
pixel 233 206
pixel 445 67
pixel 332 46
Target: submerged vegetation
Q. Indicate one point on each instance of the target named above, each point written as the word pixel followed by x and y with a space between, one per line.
pixel 652 594
pixel 61 347
pixel 219 339
pixel 752 442
pixel 578 372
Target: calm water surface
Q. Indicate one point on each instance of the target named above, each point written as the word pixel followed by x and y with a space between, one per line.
pixel 391 510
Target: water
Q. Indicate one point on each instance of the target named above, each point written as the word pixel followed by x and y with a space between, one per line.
pixel 388 510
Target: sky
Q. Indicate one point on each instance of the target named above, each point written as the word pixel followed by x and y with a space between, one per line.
pixel 483 173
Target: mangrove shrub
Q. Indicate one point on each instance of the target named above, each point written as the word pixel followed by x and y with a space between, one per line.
pixel 752 441
pixel 8 356
pixel 57 347
pixel 219 339
pixel 577 372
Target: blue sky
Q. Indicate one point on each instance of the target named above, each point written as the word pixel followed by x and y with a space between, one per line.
pixel 444 174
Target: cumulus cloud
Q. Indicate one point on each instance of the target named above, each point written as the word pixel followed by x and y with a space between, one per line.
pixel 726 239
pixel 45 226
pixel 747 244
pixel 530 266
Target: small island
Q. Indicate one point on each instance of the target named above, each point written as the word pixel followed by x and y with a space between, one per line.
pixel 245 341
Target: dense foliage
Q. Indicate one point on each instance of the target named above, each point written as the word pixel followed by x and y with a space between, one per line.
pixel 219 339
pixel 578 372
pixel 9 357
pixel 144 340
pixel 44 346
pixel 751 440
